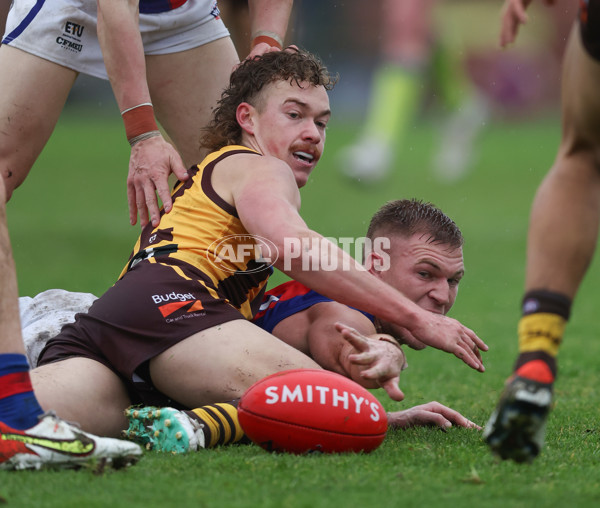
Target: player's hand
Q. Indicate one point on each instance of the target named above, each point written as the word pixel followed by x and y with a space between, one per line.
pixel 430 414
pixel 379 360
pixel 444 333
pixel 150 164
pixel 513 16
pixel 260 49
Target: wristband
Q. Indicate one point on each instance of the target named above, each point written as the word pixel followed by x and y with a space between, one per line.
pixel 391 340
pixel 139 120
pixel 271 38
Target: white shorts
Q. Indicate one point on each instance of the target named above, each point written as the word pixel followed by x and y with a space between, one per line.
pixel 43 316
pixel 64 31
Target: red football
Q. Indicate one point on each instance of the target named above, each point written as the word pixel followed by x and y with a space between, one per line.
pixel 305 410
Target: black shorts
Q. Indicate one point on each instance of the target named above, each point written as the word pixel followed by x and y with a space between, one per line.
pixel 589 20
pixel 151 309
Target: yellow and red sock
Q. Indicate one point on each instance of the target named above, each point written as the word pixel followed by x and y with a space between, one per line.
pixel 221 424
pixel 541 329
pixel 537 370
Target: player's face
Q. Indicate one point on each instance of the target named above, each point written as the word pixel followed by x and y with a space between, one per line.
pixel 426 273
pixel 290 124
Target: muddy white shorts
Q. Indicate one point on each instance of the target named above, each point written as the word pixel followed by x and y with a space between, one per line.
pixel 43 316
pixel 64 31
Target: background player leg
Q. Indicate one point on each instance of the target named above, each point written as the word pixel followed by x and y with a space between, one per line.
pixel 562 238
pixel 32 98
pixel 184 93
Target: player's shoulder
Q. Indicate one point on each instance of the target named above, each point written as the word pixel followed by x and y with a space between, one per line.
pixel 246 161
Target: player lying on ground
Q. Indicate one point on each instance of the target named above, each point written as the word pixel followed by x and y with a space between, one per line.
pixel 424 261
pixel 140 343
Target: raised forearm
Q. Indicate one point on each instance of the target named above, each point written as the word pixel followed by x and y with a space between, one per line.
pixel 123 52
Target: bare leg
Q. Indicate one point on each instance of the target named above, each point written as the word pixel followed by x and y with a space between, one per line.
pixel 396 89
pixel 84 391
pixel 185 88
pixel 236 17
pixel 220 363
pixel 565 216
pixel 10 325
pixel 28 110
pixel 28 113
pixel 203 371
pixel 562 238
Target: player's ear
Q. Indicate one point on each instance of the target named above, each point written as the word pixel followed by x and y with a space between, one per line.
pixel 374 263
pixel 244 115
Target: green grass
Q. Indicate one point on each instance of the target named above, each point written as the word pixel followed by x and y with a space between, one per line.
pixel 69 227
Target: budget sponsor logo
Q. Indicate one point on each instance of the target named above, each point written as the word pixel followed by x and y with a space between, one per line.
pixel 176 306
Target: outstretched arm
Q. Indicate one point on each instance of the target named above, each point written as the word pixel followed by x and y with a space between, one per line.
pixel 152 157
pixel 274 215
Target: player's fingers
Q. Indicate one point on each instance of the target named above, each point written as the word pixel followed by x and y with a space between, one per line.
pixel 435 419
pixel 358 342
pixel 133 209
pixel 474 351
pixel 145 197
pixel 505 36
pixel 391 388
pixel 477 354
pixel 476 340
pixel 380 371
pixel 140 200
pixel 344 328
pixel 162 188
pixel 351 335
pixel 466 355
pixel 519 14
pixel 452 415
pixel 517 9
pixel 470 338
pixel 476 358
pixel 512 19
pixel 362 358
pixel 468 344
pixel 469 350
pixel 179 170
pixel 152 204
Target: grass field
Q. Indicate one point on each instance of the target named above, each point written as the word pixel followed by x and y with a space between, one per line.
pixel 69 229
